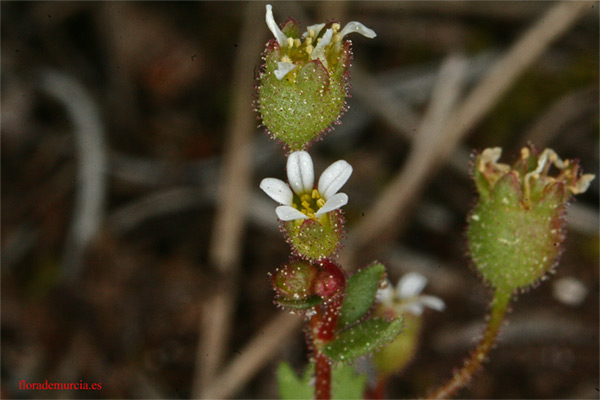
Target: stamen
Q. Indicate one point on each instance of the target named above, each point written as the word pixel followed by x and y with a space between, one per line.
pixel 321 202
pixel 311 32
pixel 309 49
pixel 306 205
pixel 335 26
pixel 315 194
pixel 297 42
pixel 290 42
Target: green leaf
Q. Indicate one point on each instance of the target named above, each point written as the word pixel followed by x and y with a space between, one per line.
pixel 293 387
pixel 347 384
pixel 302 304
pixel 362 339
pixel 360 294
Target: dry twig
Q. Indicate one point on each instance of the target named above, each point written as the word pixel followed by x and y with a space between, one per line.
pixel 231 211
pixel 90 196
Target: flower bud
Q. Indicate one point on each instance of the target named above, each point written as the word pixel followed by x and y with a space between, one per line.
pixel 396 355
pixel 517 226
pixel 330 280
pixel 295 280
pixel 303 83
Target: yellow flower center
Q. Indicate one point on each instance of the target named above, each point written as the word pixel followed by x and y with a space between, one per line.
pixel 309 203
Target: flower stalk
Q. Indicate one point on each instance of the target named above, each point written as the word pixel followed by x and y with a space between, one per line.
pixel 499 307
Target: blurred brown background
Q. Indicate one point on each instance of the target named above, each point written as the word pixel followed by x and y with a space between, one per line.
pixel 134 233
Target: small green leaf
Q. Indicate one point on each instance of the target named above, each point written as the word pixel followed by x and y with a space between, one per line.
pixel 301 304
pixel 362 339
pixel 347 384
pixel 360 294
pixel 293 387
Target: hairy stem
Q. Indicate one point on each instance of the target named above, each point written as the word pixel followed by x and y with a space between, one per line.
pixel 322 326
pixel 323 377
pixel 499 307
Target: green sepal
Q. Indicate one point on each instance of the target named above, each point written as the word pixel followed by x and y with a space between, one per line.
pixel 300 107
pixel 362 339
pixel 513 245
pixel 315 239
pixel 301 304
pixel 360 294
pixel 291 29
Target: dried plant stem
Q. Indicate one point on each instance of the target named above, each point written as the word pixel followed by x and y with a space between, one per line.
pixel 460 378
pixel 230 214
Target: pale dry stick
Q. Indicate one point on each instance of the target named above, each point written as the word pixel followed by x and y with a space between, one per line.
pixel 261 348
pixel 90 194
pixel 401 191
pixel 560 114
pixel 224 252
pixel 387 211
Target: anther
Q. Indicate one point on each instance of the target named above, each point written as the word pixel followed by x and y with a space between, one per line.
pixel 335 27
pixel 321 202
pixel 309 49
pixel 315 194
pixel 290 42
pixel 297 42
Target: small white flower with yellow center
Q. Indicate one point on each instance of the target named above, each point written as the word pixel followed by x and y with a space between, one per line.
pixel 406 297
pixel 303 201
pixel 312 46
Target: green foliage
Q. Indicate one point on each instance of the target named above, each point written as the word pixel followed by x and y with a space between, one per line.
pixel 291 386
pixel 362 339
pixel 301 304
pixel 345 383
pixel 360 294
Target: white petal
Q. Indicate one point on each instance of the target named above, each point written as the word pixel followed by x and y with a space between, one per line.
pixel 414 308
pixel 278 190
pixel 300 172
pixel 357 27
pixel 435 303
pixel 287 213
pixel 317 28
pixel 336 201
pixel 385 295
pixel 319 51
pixel 283 68
pixel 411 284
pixel 273 27
pixel 333 178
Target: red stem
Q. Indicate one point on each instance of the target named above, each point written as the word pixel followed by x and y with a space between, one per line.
pixel 322 327
pixel 323 377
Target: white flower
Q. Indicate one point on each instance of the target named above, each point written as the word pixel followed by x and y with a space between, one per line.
pixel 303 201
pixel 306 47
pixel 406 297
